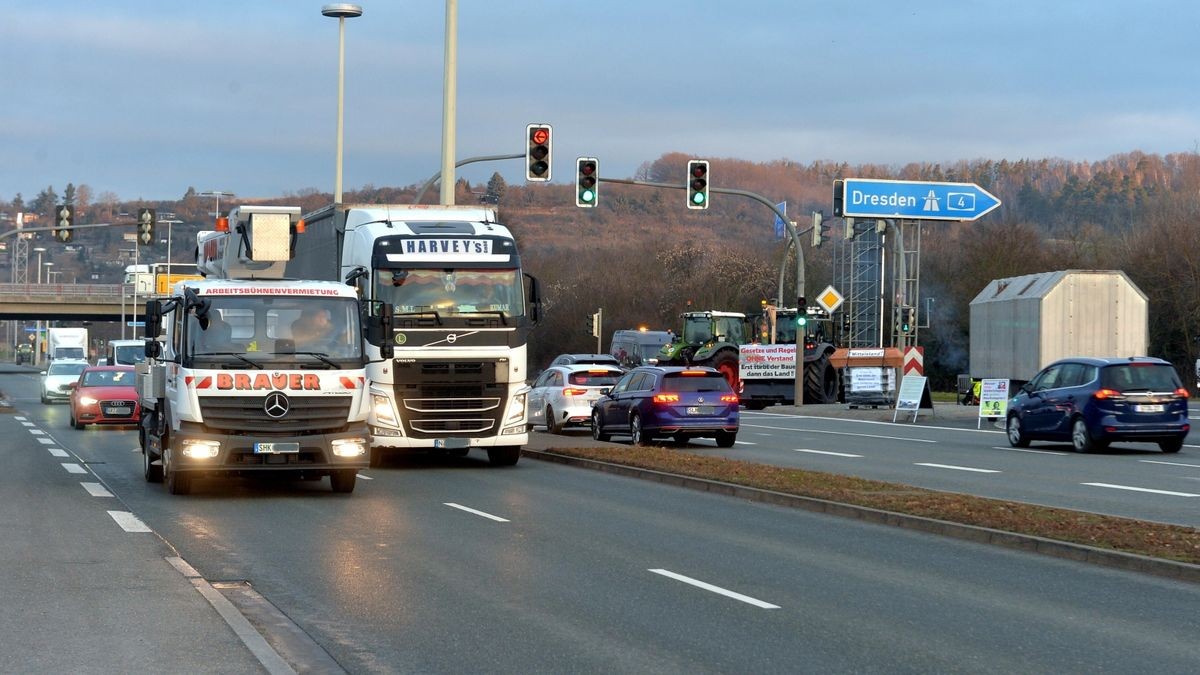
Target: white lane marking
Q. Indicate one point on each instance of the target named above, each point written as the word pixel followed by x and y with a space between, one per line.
pixel 744 443
pixel 956 468
pixel 1191 446
pixel 715 589
pixel 1151 461
pixel 128 521
pixel 28 424
pixel 20 419
pixel 37 432
pixel 848 433
pixel 364 477
pixel 1036 452
pixel 96 490
pixel 58 452
pixel 825 452
pixel 71 467
pixel 45 441
pixel 1169 493
pixel 468 509
pixel 890 424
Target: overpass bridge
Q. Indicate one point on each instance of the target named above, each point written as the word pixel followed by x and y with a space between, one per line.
pixel 69 302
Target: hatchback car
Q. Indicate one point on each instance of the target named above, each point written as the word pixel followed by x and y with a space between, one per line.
pixel 105 395
pixel 653 401
pixel 563 396
pixel 1092 402
pixel 57 379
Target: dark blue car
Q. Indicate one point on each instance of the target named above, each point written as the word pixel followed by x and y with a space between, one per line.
pixel 1092 402
pixel 653 401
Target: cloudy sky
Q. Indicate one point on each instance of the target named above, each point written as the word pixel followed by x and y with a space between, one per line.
pixel 147 98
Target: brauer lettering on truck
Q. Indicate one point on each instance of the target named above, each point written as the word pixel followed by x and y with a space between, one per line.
pixel 463 309
pixel 252 372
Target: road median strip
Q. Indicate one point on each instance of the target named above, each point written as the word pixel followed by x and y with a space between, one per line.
pixel 1157 548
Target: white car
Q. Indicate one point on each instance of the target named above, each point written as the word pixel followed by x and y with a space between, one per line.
pixel 57 379
pixel 563 396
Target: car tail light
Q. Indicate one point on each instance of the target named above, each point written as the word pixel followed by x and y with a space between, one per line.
pixel 574 391
pixel 1181 392
pixel 1110 394
pixel 729 398
pixel 693 373
pixel 666 398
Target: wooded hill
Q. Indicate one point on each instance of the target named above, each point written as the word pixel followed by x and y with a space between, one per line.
pixel 643 257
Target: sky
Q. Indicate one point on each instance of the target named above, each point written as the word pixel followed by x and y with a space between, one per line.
pixel 147 98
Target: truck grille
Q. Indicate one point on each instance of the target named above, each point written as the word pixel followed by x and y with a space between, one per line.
pixel 245 415
pixel 449 398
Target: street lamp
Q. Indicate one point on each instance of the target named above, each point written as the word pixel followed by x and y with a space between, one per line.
pixel 218 194
pixel 39 250
pixel 342 11
pixel 37 326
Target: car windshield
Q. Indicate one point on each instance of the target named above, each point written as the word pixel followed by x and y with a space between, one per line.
pixel 129 353
pixel 1140 377
pixel 66 368
pixel 452 291
pixel 108 378
pixel 705 382
pixel 594 378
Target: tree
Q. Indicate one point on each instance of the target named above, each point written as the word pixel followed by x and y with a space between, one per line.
pixel 83 198
pixel 18 204
pixel 69 194
pixel 496 187
pixel 45 202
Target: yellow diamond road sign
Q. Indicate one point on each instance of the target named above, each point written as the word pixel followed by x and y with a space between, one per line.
pixel 830 299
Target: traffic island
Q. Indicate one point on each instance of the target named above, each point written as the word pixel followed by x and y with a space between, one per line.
pixel 1157 548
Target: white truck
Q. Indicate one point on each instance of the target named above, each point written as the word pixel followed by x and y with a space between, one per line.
pixel 229 388
pixel 124 352
pixel 66 343
pixel 463 313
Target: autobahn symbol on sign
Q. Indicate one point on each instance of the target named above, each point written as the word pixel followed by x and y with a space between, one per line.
pixel 870 198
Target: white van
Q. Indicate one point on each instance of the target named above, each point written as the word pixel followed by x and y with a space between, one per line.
pixel 125 352
pixel 633 348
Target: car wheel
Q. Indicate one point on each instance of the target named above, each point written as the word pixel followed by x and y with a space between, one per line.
pixel 178 483
pixel 45 400
pixel 597 434
pixel 153 472
pixel 1081 438
pixel 76 423
pixel 552 424
pixel 726 439
pixel 636 433
pixel 343 481
pixel 1016 434
pixel 1172 445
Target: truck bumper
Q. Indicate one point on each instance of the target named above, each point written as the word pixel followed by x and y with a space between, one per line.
pixel 393 442
pixel 314 454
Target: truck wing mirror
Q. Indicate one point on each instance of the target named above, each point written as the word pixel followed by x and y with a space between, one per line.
pixel 153 349
pixel 534 298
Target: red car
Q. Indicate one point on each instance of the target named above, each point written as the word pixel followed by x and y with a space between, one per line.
pixel 105 395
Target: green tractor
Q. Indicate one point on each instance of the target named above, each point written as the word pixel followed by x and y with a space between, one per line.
pixel 821 380
pixel 709 338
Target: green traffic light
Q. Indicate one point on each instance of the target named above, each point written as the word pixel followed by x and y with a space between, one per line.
pixel 698 198
pixel 587 196
pixel 800 320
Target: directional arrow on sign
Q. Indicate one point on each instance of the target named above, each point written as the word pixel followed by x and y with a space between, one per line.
pixel 923 200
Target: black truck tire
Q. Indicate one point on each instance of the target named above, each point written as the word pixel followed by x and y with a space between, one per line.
pixel 726 361
pixel 820 381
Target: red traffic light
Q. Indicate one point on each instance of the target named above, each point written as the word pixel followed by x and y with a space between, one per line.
pixel 539 135
pixel 699 169
pixel 587 168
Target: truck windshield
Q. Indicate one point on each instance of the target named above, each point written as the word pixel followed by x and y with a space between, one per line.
pixel 129 354
pixel 452 291
pixel 274 330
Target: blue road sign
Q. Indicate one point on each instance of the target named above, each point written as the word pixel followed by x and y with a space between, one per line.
pixel 780 226
pixel 869 198
pixel 135 324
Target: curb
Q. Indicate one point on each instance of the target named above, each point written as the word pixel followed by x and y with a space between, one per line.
pixel 1059 549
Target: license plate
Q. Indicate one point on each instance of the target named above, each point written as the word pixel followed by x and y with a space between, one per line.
pixel 275 448
pixel 117 411
pixel 1148 408
pixel 700 410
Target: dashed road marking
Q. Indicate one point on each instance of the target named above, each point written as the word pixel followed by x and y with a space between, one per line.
pixel 715 589
pixel 45 441
pixel 1169 493
pixel 364 477
pixel 128 521
pixel 956 468
pixel 37 432
pixel 846 433
pixel 825 452
pixel 468 509
pixel 71 467
pixel 1036 452
pixel 58 452
pixel 96 490
pixel 1151 461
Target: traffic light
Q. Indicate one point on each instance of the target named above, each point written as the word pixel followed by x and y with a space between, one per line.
pixel 64 218
pixel 697 182
pixel 537 153
pixel 586 177
pixel 839 196
pixel 595 325
pixel 801 312
pixel 820 231
pixel 147 218
pixel 906 321
pixel 849 228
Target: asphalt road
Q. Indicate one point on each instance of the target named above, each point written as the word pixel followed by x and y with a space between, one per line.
pixel 442 565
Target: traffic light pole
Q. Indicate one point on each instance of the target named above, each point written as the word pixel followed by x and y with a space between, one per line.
pixel 470 160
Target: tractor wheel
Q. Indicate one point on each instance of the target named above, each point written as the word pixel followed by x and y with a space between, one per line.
pixel 820 381
pixel 726 362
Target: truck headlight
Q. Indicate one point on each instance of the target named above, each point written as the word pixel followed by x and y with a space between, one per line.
pixel 199 448
pixel 349 447
pixel 516 409
pixel 382 407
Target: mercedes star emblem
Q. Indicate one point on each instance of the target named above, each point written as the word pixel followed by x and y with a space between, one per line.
pixel 276 405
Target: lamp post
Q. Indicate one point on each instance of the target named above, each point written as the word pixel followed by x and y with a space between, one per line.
pixel 342 11
pixel 37 326
pixel 218 194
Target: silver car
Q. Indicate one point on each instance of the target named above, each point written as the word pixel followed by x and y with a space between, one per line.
pixel 563 396
pixel 57 379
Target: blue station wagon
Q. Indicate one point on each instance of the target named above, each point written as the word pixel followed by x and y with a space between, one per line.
pixel 676 401
pixel 1093 402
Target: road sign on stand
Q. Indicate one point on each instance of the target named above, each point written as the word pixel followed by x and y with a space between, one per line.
pixel 914 361
pixel 922 200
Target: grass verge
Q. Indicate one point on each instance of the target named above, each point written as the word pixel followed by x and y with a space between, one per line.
pixel 1157 540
